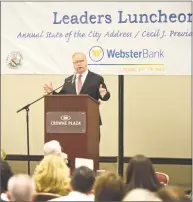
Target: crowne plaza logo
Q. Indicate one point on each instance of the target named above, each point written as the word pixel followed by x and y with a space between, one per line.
pixel 65 117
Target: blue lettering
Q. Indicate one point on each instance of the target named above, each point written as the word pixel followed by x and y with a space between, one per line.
pixel 123 54
pixel 120 18
pixel 145 53
pixel 93 19
pixel 137 54
pixel 183 19
pixel 55 20
pixel 74 19
pixel 172 16
pixel 83 19
pixel 161 15
pixel 151 16
pixel 111 53
pixel 88 18
pixel 108 19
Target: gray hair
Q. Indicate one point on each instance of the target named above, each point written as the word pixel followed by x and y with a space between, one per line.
pixel 21 188
pixel 52 147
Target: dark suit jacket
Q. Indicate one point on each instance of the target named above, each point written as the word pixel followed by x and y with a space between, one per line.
pixel 91 87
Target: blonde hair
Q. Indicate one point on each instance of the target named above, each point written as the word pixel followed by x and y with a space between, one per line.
pixel 52 175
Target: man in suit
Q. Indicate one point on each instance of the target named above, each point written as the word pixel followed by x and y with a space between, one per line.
pixel 83 81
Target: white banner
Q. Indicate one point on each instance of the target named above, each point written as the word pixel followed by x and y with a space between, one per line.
pixel 127 38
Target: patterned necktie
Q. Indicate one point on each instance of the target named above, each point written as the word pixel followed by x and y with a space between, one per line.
pixel 79 84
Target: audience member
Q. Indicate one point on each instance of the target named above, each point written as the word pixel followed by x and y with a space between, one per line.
pixel 82 182
pixel 141 174
pixel 172 193
pixel 52 175
pixel 20 188
pixel 109 187
pixel 54 147
pixel 6 174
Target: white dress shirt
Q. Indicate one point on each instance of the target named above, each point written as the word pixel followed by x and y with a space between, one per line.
pixel 84 75
pixel 75 196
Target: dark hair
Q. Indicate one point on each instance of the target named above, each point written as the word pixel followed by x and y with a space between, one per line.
pixel 109 187
pixel 6 174
pixel 82 179
pixel 141 174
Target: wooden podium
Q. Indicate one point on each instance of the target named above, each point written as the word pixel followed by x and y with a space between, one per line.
pixel 73 120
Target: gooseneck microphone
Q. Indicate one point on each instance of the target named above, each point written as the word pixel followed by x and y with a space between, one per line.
pixel 74 77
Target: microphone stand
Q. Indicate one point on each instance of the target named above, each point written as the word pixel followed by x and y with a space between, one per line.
pixel 26 108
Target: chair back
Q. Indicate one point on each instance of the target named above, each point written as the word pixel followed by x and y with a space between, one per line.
pixel 163 178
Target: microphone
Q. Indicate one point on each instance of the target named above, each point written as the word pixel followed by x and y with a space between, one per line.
pixel 73 78
pixel 28 105
pixel 69 81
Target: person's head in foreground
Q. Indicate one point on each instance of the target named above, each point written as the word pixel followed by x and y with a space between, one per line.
pixel 20 188
pixel 52 175
pixel 141 195
pixel 172 193
pixel 141 174
pixel 52 147
pixel 82 180
pixel 6 174
pixel 109 187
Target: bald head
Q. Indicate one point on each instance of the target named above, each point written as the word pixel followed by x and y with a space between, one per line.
pixel 20 188
pixel 80 62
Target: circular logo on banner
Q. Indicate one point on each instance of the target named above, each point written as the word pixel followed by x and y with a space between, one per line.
pixel 14 60
pixel 96 53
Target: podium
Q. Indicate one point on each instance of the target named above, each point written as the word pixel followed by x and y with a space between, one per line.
pixel 73 120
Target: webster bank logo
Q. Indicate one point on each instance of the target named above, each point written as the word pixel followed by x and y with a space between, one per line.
pixel 98 55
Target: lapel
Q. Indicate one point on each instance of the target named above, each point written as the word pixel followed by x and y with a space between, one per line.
pixel 86 82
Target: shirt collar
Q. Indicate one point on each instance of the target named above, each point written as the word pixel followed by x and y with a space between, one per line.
pixel 83 74
pixel 76 193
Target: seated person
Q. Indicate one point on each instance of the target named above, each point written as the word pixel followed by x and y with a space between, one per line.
pixel 140 173
pixel 52 175
pixel 6 174
pixel 54 147
pixel 172 193
pixel 20 188
pixel 82 182
pixel 109 187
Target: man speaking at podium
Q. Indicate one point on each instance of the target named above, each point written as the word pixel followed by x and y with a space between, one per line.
pixel 83 81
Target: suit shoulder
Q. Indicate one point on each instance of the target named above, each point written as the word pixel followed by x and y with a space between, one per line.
pixel 68 78
pixel 96 75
